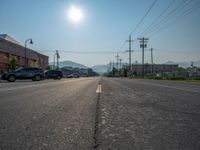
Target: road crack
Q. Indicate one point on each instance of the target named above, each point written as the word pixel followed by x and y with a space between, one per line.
pixel 96 120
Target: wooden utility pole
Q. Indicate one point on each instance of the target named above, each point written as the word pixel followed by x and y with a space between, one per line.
pixel 110 66
pixel 117 60
pixel 151 61
pixel 143 45
pixel 57 56
pixel 130 41
pixel 120 62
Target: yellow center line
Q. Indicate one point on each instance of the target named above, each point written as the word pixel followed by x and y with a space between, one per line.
pixel 98 89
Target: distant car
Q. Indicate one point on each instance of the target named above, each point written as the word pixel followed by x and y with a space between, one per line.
pixel 53 74
pixel 34 73
pixel 75 75
pixel 68 76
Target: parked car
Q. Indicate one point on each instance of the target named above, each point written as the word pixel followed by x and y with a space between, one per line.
pixel 76 75
pixel 68 75
pixel 34 73
pixel 53 74
pixel 73 75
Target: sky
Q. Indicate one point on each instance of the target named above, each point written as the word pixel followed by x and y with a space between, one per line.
pixel 104 28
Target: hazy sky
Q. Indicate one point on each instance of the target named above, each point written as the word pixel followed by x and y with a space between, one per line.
pixel 105 26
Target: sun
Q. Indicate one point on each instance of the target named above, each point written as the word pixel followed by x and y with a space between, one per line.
pixel 75 14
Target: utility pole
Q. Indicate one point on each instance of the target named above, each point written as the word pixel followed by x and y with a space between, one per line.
pixel 130 41
pixel 151 61
pixel 120 62
pixel 54 61
pixel 117 60
pixel 110 66
pixel 143 45
pixel 58 56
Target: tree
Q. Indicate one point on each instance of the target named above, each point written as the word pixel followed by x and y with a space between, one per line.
pixel 13 63
pixel 125 70
pixel 181 69
pixel 92 73
pixel 34 63
pixel 48 67
pixel 114 71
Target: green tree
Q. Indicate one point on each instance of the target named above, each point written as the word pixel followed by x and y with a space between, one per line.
pixel 92 73
pixel 114 71
pixel 181 69
pixel 34 63
pixel 125 70
pixel 13 63
pixel 48 67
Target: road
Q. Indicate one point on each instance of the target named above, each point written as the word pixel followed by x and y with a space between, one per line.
pixel 127 114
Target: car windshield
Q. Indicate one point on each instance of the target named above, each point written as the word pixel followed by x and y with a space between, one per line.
pixel 19 69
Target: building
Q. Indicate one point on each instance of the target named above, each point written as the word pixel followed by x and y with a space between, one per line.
pixel 9 48
pixel 155 68
pixel 194 72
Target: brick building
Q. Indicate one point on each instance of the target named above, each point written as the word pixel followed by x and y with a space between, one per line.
pixel 9 47
pixel 157 68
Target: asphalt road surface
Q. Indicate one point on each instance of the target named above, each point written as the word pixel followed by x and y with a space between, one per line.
pixel 127 114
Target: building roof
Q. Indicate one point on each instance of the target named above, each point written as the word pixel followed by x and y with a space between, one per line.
pixel 9 38
pixel 7 45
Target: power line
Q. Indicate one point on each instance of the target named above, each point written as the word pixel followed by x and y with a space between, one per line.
pixel 170 15
pixel 178 52
pixel 182 15
pixel 84 52
pixel 161 14
pixel 140 22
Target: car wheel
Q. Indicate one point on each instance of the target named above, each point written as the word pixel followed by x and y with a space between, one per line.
pixel 11 78
pixel 37 78
pixel 58 77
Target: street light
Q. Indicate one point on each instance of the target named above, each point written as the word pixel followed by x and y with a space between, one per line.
pixel 31 42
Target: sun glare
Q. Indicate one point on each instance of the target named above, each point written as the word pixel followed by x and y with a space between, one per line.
pixel 75 14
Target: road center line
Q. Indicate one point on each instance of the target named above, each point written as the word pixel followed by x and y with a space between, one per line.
pixel 98 89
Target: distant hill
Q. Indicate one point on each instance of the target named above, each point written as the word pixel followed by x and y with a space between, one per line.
pixel 100 69
pixel 184 64
pixel 70 64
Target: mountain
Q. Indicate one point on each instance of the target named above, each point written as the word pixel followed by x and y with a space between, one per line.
pixel 185 64
pixel 100 69
pixel 70 64
pixel 170 62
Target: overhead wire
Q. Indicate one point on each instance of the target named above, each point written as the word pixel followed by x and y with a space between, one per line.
pixel 140 22
pixel 83 52
pixel 158 17
pixel 170 15
pixel 180 16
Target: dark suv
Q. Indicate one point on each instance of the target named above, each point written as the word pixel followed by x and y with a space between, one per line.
pixel 54 74
pixel 34 73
